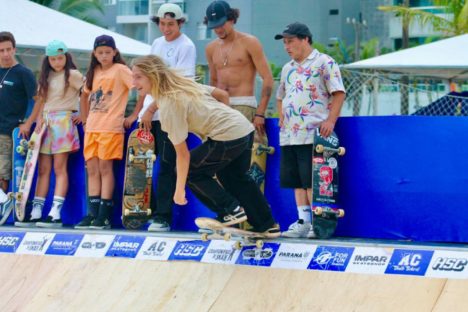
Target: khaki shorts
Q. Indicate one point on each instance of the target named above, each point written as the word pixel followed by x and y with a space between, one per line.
pixel 103 145
pixel 247 111
pixel 6 145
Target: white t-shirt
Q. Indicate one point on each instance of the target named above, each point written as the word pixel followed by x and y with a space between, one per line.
pixel 178 54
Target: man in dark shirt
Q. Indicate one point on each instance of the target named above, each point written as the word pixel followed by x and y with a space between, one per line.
pixel 17 87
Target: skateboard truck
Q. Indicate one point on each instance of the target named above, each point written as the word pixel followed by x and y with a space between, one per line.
pixel 321 149
pixel 321 210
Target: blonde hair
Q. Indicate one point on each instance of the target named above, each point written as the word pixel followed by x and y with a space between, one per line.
pixel 167 82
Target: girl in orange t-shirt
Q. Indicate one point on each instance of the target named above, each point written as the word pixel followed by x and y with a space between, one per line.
pixel 103 102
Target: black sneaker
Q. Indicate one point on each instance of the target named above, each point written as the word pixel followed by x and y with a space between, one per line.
pixel 236 216
pixel 159 225
pixel 100 224
pixel 85 223
pixel 273 232
pixel 49 222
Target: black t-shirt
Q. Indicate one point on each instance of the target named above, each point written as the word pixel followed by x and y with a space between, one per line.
pixel 18 86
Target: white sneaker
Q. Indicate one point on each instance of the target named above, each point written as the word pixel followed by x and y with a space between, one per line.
pixel 298 229
pixel 311 233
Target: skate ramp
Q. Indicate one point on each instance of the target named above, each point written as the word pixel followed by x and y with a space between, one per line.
pixel 57 283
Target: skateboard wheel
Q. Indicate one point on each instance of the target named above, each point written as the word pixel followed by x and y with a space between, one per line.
pixel 126 212
pixel 153 158
pixel 204 237
pixel 20 150
pixel 237 245
pixel 148 212
pixel 227 236
pixel 19 196
pixel 318 211
pixel 341 151
pixel 341 213
pixel 31 145
pixel 259 244
pixel 319 148
pixel 131 157
pixel 271 150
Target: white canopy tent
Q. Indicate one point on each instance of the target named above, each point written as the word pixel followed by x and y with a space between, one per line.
pixel 444 59
pixel 34 26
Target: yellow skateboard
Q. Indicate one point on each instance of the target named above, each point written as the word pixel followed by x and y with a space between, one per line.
pixel 228 233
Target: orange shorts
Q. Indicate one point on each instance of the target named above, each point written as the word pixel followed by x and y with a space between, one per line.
pixel 103 145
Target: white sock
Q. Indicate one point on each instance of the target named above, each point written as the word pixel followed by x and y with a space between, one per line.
pixel 305 213
pixel 3 196
pixel 56 207
pixel 38 204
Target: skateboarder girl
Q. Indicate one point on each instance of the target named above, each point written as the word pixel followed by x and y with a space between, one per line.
pixel 58 92
pixel 17 87
pixel 186 106
pixel 310 95
pixel 103 102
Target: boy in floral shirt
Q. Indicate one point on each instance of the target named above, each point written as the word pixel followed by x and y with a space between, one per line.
pixel 310 96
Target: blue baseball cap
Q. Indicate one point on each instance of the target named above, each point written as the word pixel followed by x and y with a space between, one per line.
pixel 104 41
pixel 216 14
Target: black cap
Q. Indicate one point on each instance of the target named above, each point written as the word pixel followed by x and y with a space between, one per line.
pixel 294 30
pixel 216 14
pixel 104 41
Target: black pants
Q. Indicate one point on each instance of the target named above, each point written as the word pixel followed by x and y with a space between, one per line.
pixel 162 202
pixel 229 161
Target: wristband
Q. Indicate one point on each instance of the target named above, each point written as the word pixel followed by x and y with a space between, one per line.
pixel 260 115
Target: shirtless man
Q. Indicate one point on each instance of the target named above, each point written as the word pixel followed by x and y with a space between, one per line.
pixel 234 60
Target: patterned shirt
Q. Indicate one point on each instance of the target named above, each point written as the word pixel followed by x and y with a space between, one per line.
pixel 306 91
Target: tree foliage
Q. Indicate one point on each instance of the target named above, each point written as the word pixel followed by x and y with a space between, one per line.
pixel 81 9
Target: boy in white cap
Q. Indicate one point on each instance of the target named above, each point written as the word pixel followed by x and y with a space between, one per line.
pixel 178 52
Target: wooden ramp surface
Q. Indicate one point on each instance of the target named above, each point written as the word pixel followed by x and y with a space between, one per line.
pixel 55 283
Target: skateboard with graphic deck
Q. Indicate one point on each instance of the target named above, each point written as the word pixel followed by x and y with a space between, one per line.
pixel 228 233
pixel 139 162
pixel 260 150
pixel 6 208
pixel 19 151
pixel 325 184
pixel 30 163
pixel 257 171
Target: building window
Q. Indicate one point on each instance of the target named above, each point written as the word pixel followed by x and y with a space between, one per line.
pixel 133 7
pixel 334 12
pixel 156 4
pixel 415 3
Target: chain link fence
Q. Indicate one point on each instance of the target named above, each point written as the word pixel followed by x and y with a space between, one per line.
pixel 383 94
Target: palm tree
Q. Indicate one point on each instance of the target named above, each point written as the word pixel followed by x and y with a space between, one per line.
pixel 457 26
pixel 407 17
pixel 81 9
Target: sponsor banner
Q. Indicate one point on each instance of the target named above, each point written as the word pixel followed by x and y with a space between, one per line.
pixel 64 244
pixel 409 262
pixel 156 248
pixel 221 252
pixel 448 264
pixel 189 250
pixel 251 255
pixel 369 260
pixel 293 256
pixel 94 246
pixel 126 246
pixel 35 243
pixel 9 241
pixel 331 258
